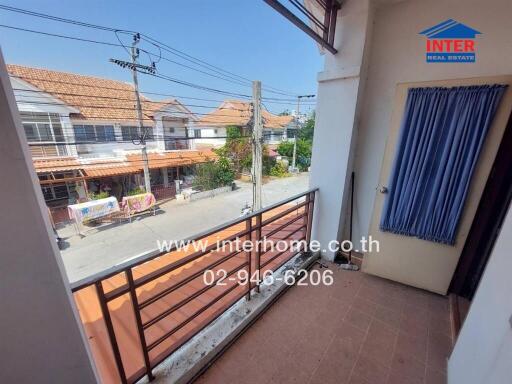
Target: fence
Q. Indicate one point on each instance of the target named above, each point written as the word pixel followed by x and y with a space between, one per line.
pixel 138 313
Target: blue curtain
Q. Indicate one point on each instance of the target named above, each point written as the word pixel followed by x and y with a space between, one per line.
pixel 441 135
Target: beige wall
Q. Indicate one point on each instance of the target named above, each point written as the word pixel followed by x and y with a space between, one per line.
pixel 420 263
pixel 397 55
pixel 483 352
pixel 40 338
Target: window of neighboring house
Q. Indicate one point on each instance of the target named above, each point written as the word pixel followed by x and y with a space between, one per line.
pixel 129 133
pixel 150 135
pixel 171 130
pixel 47 192
pixel 105 133
pixel 98 133
pixel 197 133
pixel 38 126
pixel 132 133
pixel 215 131
pixel 58 191
pixel 44 128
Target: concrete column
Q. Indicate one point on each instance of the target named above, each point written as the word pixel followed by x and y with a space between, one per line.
pixel 165 176
pixel 41 339
pixel 189 130
pixel 339 88
pixel 159 133
pixel 67 126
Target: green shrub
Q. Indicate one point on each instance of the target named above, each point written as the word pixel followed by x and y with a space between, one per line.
pixel 279 170
pixel 268 164
pixel 135 191
pixel 213 175
pixel 303 153
pixel 99 195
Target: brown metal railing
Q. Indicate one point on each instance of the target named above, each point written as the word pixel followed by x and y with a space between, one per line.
pixel 157 301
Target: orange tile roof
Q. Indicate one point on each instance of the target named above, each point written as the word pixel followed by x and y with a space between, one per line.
pixel 56 165
pixel 236 112
pixel 112 170
pixel 94 97
pixel 173 159
pixel 133 163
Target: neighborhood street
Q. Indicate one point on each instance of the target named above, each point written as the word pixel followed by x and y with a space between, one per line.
pixel 109 245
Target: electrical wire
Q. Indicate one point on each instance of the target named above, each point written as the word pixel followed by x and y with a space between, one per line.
pixel 81 105
pixel 174 80
pixel 95 87
pixel 226 75
pixel 45 96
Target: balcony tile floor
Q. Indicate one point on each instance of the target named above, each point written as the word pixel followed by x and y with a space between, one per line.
pixel 362 329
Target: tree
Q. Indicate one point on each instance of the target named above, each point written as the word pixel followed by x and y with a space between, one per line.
pixel 307 131
pixel 238 152
pixel 303 152
pixel 214 174
pixel 286 112
pixel 237 149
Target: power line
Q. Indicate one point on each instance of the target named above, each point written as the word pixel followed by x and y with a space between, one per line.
pixel 61 36
pixel 177 81
pixel 129 141
pixel 110 98
pixel 25 78
pixel 226 75
pixel 199 62
pixel 197 86
pixel 91 142
pixel 122 108
pixel 174 80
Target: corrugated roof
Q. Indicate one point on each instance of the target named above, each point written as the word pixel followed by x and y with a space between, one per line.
pixel 236 112
pixel 99 171
pixel 173 159
pixel 132 164
pixel 56 165
pixel 94 97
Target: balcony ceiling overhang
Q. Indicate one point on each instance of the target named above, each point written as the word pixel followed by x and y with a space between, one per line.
pixel 317 18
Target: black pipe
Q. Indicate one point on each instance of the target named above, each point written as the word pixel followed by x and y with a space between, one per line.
pixel 351 213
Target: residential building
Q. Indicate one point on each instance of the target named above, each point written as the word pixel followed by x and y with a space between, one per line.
pixel 83 135
pixel 212 127
pixel 398 320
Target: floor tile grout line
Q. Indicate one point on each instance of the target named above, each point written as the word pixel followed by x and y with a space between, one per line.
pixel 362 343
pixel 392 357
pixel 325 352
pixel 426 357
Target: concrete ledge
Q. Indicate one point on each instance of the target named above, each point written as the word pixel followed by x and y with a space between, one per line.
pixel 200 352
pixel 339 74
pixel 211 193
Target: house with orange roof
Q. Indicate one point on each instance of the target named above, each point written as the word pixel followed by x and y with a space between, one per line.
pixel 238 113
pixel 83 134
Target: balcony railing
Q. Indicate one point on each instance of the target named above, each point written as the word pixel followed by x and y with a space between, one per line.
pixel 140 312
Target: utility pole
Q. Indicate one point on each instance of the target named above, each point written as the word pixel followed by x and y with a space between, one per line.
pixel 142 131
pixel 257 135
pixel 297 127
pixel 135 67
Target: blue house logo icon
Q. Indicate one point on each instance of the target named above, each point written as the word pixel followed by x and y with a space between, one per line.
pixel 450 42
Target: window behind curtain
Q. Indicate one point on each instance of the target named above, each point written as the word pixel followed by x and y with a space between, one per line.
pixel 441 136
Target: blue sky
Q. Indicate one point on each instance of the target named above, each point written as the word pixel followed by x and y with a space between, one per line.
pixel 246 37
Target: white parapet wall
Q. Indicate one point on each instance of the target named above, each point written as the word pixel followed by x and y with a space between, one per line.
pixel 211 193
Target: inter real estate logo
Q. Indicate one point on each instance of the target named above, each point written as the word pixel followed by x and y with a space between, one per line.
pixel 450 42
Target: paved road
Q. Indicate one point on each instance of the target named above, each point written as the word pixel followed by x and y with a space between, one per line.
pixel 109 245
